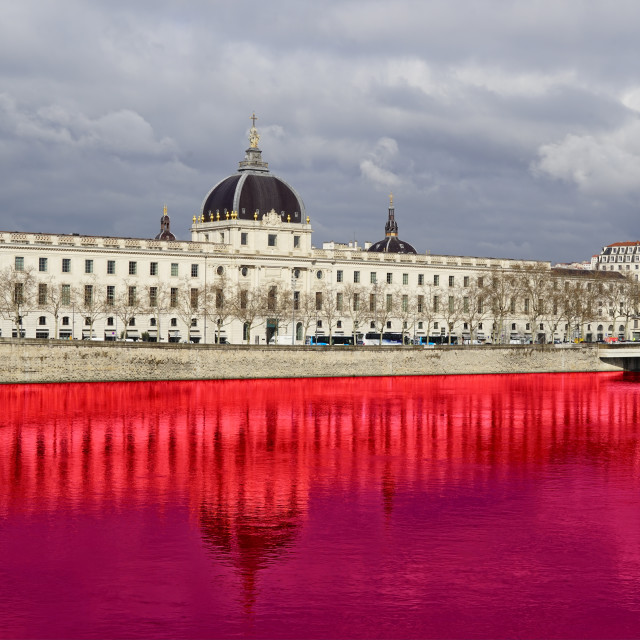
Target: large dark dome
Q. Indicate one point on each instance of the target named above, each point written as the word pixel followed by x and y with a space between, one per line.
pixel 391 242
pixel 253 188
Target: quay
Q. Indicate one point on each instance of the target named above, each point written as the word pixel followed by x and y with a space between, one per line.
pixel 45 361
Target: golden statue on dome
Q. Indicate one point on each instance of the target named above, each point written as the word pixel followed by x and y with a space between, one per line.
pixel 254 136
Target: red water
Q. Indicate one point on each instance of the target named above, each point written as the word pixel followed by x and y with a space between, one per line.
pixel 475 507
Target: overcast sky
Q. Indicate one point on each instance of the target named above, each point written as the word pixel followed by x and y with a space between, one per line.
pixel 505 129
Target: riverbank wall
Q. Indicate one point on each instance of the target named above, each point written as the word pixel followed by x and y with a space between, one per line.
pixel 42 361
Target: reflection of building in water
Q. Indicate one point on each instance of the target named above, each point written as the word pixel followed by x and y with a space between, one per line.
pixel 246 456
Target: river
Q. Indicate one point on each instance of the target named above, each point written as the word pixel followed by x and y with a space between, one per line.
pixel 409 507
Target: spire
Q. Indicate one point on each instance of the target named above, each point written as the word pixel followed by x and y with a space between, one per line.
pixel 391 228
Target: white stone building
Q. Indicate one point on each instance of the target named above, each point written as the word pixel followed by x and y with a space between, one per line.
pixel 250 245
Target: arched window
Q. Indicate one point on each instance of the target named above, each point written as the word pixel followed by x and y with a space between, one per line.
pixel 299 331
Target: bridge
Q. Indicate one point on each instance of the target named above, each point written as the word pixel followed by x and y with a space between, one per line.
pixel 625 356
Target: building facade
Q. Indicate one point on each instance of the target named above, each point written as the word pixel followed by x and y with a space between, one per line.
pixel 250 275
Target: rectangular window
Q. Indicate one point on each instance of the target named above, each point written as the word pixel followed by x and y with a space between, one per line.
pixel 466 281
pixel 526 305
pixel 372 302
pixel 153 269
pixel 66 265
pixel 389 278
pixel 244 239
pixel 243 299
pixel 356 276
pixel 389 301
pixel 173 297
pixel 512 306
pixel 481 282
pixel 296 242
pixel 480 306
pixel 451 303
pixel 436 281
pixel 421 279
pixel 452 281
pixel 194 298
pixel 111 295
pixel 132 296
pixel 296 300
pixel 436 303
pixel 465 304
pixel 420 304
pixel 133 268
pixel 111 267
pixel 194 270
pixel 18 293
pixel 220 298
pixel 318 300
pixel 271 298
pixel 405 302
pixel 88 266
pixel 174 269
pixel 42 294
pixel 65 294
pixel 153 296
pixel 43 263
pixel 374 277
pixel 339 275
pixel 88 295
pixel 405 278
pixel 356 302
pixel 339 301
pixel 19 263
pixel 271 239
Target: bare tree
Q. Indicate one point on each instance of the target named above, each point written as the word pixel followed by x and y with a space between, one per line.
pixel 127 304
pixel 306 312
pixel 452 309
pixel 54 297
pixel 189 305
pixel 354 306
pixel 248 308
pixel 332 307
pixel 156 302
pixel 474 308
pixel 218 303
pixel 533 282
pixel 502 292
pixel 91 305
pixel 382 307
pixel 17 295
pixel 277 305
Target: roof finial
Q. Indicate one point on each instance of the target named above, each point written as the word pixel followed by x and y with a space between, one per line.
pixel 164 210
pixel 391 200
pixel 254 137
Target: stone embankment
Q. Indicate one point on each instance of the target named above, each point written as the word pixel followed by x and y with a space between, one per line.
pixel 61 361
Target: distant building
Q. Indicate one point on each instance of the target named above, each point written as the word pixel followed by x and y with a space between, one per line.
pixel 619 256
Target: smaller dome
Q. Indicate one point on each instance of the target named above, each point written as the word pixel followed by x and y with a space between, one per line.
pixel 391 242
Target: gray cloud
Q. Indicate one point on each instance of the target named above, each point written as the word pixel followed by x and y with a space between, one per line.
pixel 507 129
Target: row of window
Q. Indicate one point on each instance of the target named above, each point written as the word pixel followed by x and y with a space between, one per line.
pixel 373 278
pixel 43 266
